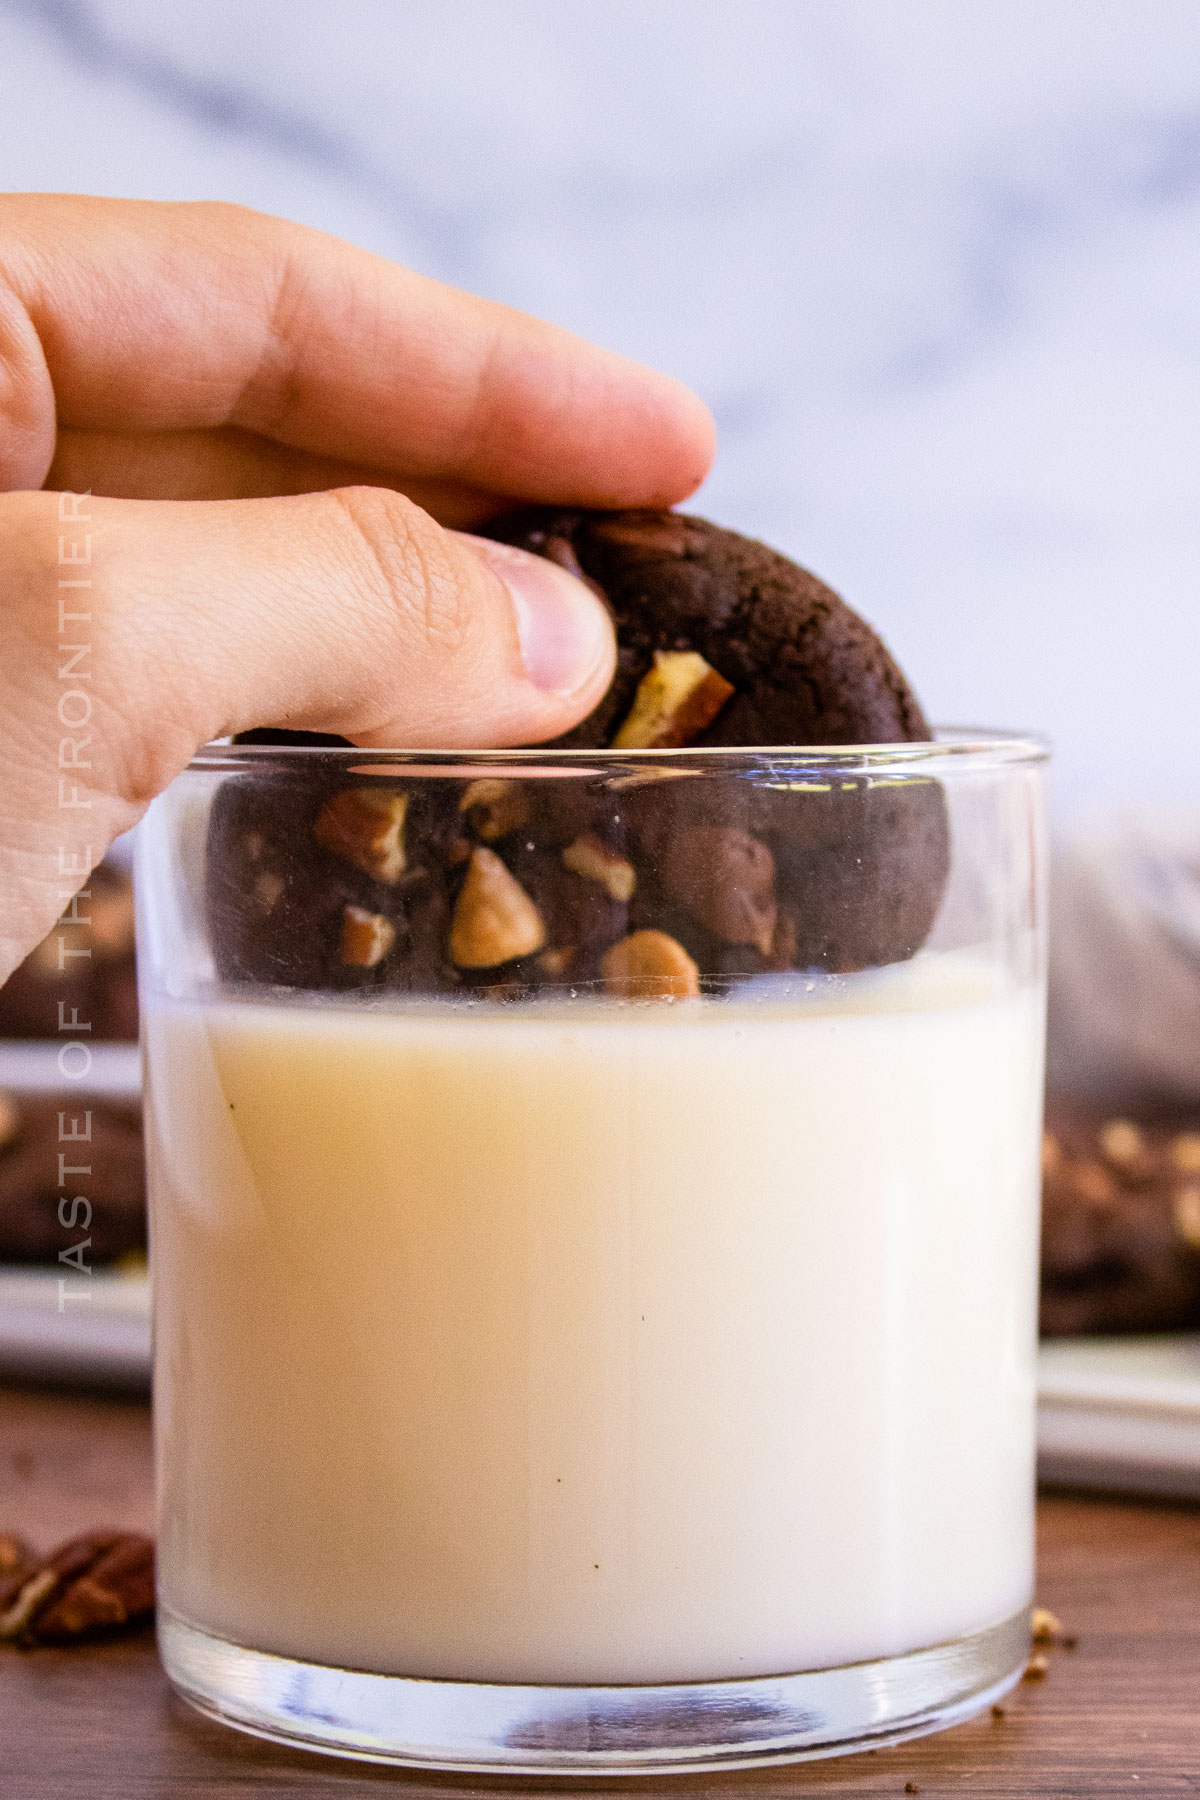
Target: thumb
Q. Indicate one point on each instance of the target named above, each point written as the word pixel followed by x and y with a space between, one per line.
pixel 349 612
pixel 353 612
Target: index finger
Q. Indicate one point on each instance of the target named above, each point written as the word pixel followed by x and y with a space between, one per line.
pixel 149 317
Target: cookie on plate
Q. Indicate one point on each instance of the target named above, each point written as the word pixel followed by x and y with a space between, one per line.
pixel 100 1215
pixel 1120 1223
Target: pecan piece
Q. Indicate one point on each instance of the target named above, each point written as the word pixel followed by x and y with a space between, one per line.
pixel 495 806
pixel 649 965
pixel 555 962
pixel 365 826
pixel 494 921
pixel 679 696
pixel 1044 1626
pixel 17 1563
pixel 89 1584
pixel 366 937
pixel 111 920
pixel 1185 1210
pixel 726 879
pixel 10 1120
pixel 1123 1146
pixel 588 857
pixel 269 889
pixel 1185 1152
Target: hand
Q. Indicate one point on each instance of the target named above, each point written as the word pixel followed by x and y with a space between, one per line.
pixel 284 427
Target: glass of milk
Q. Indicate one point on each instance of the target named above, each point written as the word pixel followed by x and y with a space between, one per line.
pixel 594 1233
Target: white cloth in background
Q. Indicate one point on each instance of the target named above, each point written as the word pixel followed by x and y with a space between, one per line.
pixel 1125 957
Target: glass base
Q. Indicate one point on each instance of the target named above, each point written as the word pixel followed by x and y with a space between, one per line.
pixel 531 1730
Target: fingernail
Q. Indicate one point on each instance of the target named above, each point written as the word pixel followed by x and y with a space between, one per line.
pixel 564 630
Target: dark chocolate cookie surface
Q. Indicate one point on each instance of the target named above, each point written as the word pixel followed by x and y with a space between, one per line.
pixel 1120 1223
pixel 101 1214
pixel 744 870
pixel 801 666
pixel 98 985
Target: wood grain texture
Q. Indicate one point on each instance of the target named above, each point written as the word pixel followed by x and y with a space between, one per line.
pixel 1120 1714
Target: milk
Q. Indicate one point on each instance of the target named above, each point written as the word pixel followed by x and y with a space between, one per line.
pixel 598 1343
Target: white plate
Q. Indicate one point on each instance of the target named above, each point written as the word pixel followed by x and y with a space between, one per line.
pixel 94 1331
pixel 84 1330
pixel 1113 1413
pixel 30 1066
pixel 1121 1413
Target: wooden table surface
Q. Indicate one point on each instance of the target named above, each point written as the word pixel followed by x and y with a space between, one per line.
pixel 1120 1714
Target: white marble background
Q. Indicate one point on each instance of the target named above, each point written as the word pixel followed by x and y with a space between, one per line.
pixel 934 263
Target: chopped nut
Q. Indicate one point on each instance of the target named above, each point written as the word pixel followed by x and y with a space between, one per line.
pixel 1044 1628
pixel 1121 1143
pixel 365 826
pixel 14 1554
pixel 726 879
pixel 117 1589
pixel 33 1593
pixel 560 550
pixel 1185 1152
pixel 17 1563
pixel 588 857
pixel 663 532
pixel 1037 1668
pixel 494 921
pixel 1185 1207
pixel 1126 1149
pixel 1093 1183
pixel 679 696
pixel 10 1119
pixel 557 960
pixel 90 1583
pixel 1052 1154
pixel 268 888
pixel 110 911
pixel 496 806
pixel 650 965
pixel 366 937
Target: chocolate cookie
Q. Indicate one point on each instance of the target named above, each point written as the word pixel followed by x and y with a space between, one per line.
pixel 721 642
pixel 858 871
pixel 800 666
pixel 101 1214
pixel 1120 1224
pixel 84 969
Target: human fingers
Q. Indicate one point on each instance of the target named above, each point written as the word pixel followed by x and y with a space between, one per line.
pixel 141 317
pixel 230 464
pixel 160 625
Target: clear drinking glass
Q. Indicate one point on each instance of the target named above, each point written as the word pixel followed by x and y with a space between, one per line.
pixel 594 1233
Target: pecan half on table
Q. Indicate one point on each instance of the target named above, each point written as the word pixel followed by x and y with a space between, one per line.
pixel 91 1584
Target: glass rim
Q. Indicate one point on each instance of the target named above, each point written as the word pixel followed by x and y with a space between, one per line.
pixel 954 749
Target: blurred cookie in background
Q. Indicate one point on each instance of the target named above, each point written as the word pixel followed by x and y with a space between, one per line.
pixel 99 1213
pixel 57 985
pixel 1120 1222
